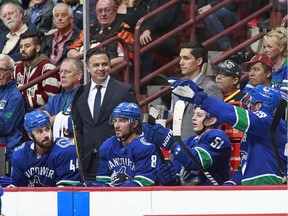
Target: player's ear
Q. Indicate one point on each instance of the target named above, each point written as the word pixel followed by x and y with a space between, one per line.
pixel 30 136
pixel 258 106
pixel 135 123
pixel 212 121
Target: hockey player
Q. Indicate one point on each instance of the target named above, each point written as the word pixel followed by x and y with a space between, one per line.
pixel 258 162
pixel 42 162
pixel 210 146
pixel 127 159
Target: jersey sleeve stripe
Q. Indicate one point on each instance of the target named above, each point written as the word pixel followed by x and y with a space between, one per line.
pixel 242 114
pixel 205 157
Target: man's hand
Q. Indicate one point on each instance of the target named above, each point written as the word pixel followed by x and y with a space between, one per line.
pixel 158 135
pixel 145 37
pixel 188 91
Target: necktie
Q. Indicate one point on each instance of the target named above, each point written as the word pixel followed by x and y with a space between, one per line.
pixel 97 102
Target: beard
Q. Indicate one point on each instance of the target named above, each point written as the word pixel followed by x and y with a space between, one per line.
pixel 29 57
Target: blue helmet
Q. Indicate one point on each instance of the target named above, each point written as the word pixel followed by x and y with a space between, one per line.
pixel 127 110
pixel 35 119
pixel 269 97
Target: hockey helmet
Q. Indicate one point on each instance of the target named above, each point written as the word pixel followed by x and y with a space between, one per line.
pixel 269 97
pixel 209 115
pixel 127 110
pixel 35 119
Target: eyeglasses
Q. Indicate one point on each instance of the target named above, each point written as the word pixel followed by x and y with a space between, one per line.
pixel 4 70
pixel 105 10
pixel 223 75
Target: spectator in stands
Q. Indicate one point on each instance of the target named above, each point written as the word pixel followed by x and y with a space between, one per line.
pixel 215 22
pixel 92 124
pixel 40 14
pixel 259 164
pixel 259 70
pixel 192 57
pixel 210 147
pixel 127 144
pixel 228 75
pixel 77 9
pixel 33 65
pixel 275 46
pixel 12 17
pixel 12 107
pixel 108 27
pixel 59 105
pixel 42 162
pixel 55 45
pixel 156 27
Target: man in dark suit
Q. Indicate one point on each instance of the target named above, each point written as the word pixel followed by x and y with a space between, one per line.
pixel 192 57
pixel 92 122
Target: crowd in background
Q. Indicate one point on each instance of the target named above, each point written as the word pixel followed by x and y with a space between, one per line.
pixel 37 36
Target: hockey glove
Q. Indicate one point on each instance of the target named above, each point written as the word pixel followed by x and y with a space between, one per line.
pixel 167 174
pixel 158 135
pixel 188 91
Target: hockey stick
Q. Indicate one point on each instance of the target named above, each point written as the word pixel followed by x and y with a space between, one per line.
pixel 75 98
pixel 177 121
pixel 275 122
pixel 153 114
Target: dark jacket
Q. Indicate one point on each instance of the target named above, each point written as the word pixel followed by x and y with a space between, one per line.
pixel 47 45
pixel 91 135
pixel 15 52
pixel 45 19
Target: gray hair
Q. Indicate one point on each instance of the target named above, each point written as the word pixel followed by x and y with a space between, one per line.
pixel 18 7
pixel 70 12
pixel 77 63
pixel 9 59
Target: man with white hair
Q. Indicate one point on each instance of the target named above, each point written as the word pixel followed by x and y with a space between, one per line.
pixel 12 16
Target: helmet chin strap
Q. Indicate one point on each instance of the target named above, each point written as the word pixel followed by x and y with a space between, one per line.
pixel 204 127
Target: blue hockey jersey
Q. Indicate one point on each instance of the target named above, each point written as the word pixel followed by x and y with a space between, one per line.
pixel 212 150
pixel 135 164
pixel 258 162
pixel 57 167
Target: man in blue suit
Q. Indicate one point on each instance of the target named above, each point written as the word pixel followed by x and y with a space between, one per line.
pixel 91 111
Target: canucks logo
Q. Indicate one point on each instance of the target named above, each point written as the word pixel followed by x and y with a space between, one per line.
pixel 2 104
pixel 36 182
pixel 120 177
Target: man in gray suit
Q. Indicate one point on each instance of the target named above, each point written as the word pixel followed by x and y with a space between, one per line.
pixel 193 55
pixel 93 107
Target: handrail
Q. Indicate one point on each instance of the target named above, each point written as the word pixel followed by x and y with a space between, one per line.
pixel 123 65
pixel 137 49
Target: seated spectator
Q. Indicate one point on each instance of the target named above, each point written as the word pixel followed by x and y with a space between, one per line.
pixel 40 14
pixel 33 65
pixel 215 22
pixel 55 45
pixel 127 159
pixel 156 27
pixel 228 75
pixel 59 105
pixel 77 9
pixel 12 17
pixel 210 146
pixel 42 162
pixel 260 71
pixel 12 107
pixel 275 46
pixel 107 27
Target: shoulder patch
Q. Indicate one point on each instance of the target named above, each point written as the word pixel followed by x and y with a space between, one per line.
pixel 63 143
pixel 2 104
pixel 144 142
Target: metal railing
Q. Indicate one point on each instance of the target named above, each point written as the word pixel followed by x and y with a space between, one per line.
pixel 123 66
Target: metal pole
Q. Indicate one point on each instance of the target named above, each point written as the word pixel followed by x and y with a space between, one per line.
pixel 86 32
